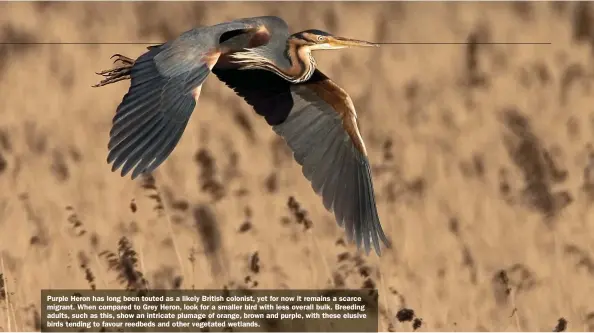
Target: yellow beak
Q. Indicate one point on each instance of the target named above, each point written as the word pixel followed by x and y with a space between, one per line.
pixel 341 42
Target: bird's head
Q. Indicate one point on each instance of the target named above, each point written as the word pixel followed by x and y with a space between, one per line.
pixel 321 40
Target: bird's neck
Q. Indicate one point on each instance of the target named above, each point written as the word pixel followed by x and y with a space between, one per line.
pixel 302 63
pixel 299 68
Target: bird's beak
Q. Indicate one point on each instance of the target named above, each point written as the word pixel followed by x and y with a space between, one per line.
pixel 341 42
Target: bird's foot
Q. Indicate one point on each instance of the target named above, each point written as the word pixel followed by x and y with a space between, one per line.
pixel 118 73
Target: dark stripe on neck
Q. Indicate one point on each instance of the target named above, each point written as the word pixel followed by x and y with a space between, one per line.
pixel 297 64
pixel 300 68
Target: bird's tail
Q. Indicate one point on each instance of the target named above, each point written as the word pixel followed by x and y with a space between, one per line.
pixel 118 73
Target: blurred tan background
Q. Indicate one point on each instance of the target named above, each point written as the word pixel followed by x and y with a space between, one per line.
pixel 481 157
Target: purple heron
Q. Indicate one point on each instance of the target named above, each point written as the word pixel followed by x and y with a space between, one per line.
pixel 274 72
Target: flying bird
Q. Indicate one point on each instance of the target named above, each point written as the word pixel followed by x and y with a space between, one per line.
pixel 275 72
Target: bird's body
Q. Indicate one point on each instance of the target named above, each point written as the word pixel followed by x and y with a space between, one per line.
pixel 274 72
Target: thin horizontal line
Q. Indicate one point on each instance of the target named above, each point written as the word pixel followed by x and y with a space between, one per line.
pixel 221 0
pixel 466 43
pixel 155 43
pixel 78 43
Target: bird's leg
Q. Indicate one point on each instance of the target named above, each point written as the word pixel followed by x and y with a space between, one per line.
pixel 118 73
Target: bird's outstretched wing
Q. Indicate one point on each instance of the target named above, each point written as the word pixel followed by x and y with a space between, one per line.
pixel 318 121
pixel 166 84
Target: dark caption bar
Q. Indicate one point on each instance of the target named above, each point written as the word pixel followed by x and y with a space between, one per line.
pixel 212 310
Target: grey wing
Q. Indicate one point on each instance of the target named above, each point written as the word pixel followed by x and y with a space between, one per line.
pixel 333 161
pixel 317 121
pixel 165 85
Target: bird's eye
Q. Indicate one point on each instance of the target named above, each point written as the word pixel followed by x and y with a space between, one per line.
pixel 321 38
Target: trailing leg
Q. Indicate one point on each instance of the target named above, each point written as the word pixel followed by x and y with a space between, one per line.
pixel 118 73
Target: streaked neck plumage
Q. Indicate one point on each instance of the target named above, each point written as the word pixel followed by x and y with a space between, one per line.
pixel 300 59
pixel 303 64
